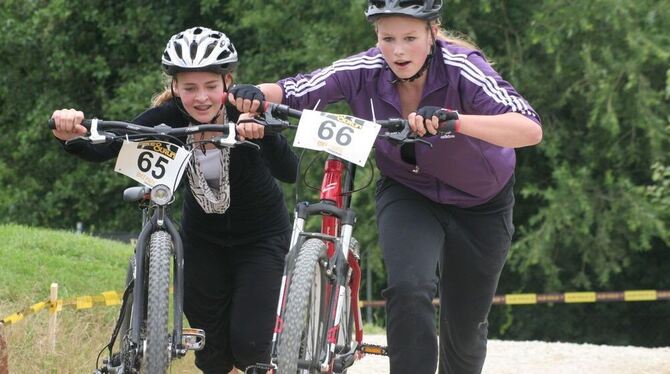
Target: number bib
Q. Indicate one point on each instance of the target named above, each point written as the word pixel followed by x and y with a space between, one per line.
pixel 153 162
pixel 343 136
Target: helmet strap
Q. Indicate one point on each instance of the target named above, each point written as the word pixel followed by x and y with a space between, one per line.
pixel 419 73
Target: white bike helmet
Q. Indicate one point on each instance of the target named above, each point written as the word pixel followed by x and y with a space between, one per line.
pixel 422 9
pixel 199 49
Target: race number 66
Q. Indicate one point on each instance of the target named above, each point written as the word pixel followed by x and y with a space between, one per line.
pixel 329 128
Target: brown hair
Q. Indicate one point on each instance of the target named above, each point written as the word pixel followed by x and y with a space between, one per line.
pixel 165 96
pixel 454 37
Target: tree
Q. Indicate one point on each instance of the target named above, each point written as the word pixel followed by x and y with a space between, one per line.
pixel 593 200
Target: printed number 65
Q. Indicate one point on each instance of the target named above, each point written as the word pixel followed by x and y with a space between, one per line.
pixel 144 164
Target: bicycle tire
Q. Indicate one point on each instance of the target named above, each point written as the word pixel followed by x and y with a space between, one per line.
pixel 303 326
pixel 156 354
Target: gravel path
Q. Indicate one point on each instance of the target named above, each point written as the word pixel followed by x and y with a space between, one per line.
pixel 526 357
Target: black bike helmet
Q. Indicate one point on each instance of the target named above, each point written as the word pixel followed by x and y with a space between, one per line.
pixel 423 9
pixel 199 49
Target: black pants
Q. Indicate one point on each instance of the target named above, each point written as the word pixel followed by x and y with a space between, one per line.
pixel 231 292
pixel 470 246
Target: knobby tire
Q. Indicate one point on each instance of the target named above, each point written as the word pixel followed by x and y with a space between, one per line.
pixel 157 357
pixel 302 329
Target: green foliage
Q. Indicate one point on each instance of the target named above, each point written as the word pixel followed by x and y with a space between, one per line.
pixel 593 200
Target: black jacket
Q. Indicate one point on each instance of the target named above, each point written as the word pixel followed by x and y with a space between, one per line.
pixel 257 207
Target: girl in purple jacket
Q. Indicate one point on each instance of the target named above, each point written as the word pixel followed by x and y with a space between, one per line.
pixel 444 213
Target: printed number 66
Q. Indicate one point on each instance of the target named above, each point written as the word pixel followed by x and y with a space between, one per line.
pixel 343 136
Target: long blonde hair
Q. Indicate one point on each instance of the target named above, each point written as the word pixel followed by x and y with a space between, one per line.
pixel 165 96
pixel 453 37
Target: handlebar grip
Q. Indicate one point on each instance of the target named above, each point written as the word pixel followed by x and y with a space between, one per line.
pixel 448 121
pixel 281 109
pixel 52 124
pixel 393 124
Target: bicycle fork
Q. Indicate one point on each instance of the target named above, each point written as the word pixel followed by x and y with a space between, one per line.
pixel 342 268
pixel 182 339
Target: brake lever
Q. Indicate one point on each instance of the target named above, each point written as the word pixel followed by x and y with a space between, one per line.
pixel 78 139
pixel 226 140
pixel 405 136
pixel 247 143
pixel 419 140
pixel 101 138
pixel 399 137
pixel 271 123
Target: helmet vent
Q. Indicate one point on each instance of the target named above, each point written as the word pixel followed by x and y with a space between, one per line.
pixel 177 48
pixel 412 3
pixel 194 49
pixel 223 55
pixel 209 49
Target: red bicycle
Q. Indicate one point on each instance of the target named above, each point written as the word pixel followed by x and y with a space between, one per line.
pixel 318 326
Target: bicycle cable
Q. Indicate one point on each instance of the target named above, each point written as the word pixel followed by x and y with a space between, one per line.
pixel 117 326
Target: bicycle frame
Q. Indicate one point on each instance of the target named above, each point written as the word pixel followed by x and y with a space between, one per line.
pixel 336 230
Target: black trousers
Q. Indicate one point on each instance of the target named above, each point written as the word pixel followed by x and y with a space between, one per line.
pixel 467 248
pixel 231 292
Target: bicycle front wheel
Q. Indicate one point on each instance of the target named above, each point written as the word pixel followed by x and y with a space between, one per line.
pixel 302 336
pixel 156 353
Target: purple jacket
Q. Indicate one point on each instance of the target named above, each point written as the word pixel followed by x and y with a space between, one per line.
pixel 458 170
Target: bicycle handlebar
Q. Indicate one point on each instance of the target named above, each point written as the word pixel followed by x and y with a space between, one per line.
pixel 121 128
pixel 399 131
pixel 161 129
pixel 392 124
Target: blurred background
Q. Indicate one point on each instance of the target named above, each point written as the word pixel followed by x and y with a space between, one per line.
pixel 593 199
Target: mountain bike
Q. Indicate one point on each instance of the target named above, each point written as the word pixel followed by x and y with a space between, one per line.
pixel 318 325
pixel 156 157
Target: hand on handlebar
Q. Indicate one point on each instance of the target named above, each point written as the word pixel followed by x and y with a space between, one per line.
pixel 68 124
pixel 247 98
pixel 249 128
pixel 433 119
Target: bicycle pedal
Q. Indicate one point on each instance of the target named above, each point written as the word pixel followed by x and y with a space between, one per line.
pixel 193 339
pixel 267 368
pixel 373 349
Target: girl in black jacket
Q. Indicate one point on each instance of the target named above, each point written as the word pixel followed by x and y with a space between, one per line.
pixel 235 226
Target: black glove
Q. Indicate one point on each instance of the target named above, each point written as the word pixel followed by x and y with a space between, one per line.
pixel 448 118
pixel 248 91
pixel 427 112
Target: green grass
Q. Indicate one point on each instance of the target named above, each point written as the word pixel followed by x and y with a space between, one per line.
pixel 32 259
